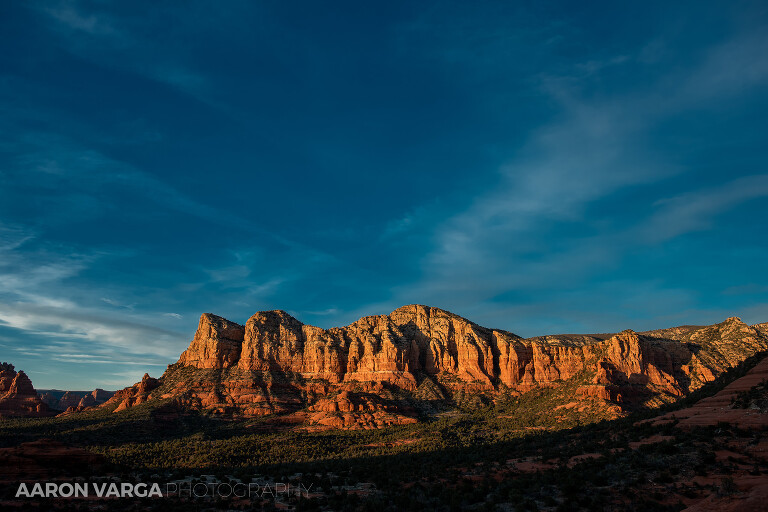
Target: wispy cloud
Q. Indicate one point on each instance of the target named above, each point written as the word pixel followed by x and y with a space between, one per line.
pixel 51 162
pixel 731 67
pixel 696 210
pixel 93 33
pixel 325 312
pixel 117 304
pixel 236 273
pixel 36 299
pixel 68 15
pixel 111 362
pixel 12 237
pixel 93 327
pixel 746 289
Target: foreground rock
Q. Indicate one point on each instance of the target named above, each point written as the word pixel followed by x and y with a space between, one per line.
pixel 357 410
pixel 374 371
pixel 18 397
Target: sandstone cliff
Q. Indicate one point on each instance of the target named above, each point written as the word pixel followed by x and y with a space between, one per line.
pixel 217 343
pixel 276 364
pixel 17 396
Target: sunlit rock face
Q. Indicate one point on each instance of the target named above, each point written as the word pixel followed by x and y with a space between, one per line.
pixel 388 348
pixel 217 343
pixel 275 364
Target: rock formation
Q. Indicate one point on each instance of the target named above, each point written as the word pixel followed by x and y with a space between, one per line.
pixel 17 396
pixel 217 343
pixel 369 373
pixel 134 395
pixel 357 410
pixel 69 399
pixel 96 397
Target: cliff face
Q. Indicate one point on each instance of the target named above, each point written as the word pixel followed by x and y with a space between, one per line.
pixel 217 343
pixel 390 348
pixel 276 364
pixel 18 397
pixel 416 340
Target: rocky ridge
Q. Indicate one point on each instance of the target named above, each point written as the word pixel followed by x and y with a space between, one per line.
pixel 383 369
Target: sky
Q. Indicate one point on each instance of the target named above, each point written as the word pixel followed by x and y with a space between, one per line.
pixel 540 167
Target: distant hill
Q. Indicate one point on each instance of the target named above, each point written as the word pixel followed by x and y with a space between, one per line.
pixel 74 400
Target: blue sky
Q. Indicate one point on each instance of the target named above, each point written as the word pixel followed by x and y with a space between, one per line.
pixel 540 168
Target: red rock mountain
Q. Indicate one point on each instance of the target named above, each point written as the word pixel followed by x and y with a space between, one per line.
pixel 371 372
pixel 17 396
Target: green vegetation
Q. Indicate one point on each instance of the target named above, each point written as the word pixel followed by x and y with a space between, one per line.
pixel 756 397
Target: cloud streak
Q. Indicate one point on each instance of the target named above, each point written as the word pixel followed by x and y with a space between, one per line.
pixel 696 210
pixel 35 299
pixel 92 327
pixel 99 35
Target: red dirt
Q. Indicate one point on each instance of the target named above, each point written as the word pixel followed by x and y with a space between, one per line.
pixel 752 496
